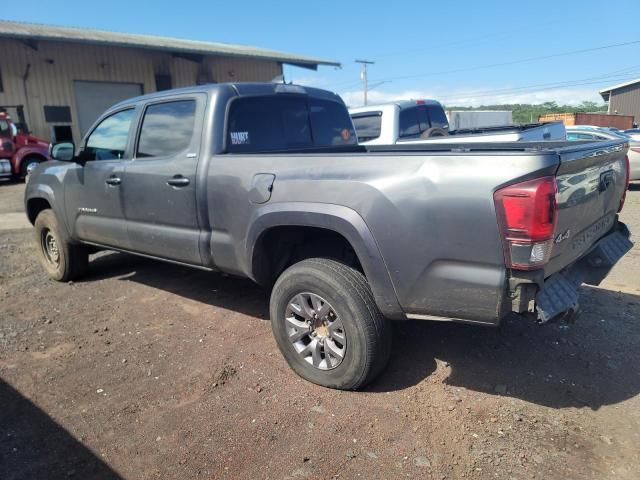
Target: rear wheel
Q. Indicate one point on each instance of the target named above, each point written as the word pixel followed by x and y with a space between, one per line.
pixel 327 325
pixel 63 261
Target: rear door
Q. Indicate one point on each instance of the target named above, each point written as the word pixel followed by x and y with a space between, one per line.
pixel 591 183
pixel 159 186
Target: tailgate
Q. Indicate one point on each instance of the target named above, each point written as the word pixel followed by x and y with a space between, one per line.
pixel 591 182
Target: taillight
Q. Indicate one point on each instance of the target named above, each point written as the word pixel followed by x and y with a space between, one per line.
pixel 627 166
pixel 527 214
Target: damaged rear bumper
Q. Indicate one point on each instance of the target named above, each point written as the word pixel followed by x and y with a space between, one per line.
pixel 559 293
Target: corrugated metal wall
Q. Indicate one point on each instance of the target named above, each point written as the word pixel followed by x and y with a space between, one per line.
pixel 55 65
pixel 626 101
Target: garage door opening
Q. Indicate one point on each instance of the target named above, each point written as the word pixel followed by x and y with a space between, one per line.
pixel 93 98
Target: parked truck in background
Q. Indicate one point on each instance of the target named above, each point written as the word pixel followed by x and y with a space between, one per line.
pixel 463 119
pixel 267 181
pixel 424 121
pixel 19 152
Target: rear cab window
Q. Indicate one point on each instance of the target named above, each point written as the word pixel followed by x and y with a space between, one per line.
pixel 413 121
pixel 271 123
pixel 437 117
pixel 408 123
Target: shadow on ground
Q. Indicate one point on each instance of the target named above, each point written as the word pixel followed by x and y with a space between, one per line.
pixel 34 446
pixel 590 363
pixel 215 289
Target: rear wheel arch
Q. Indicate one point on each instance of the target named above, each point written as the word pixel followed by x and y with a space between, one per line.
pixel 343 235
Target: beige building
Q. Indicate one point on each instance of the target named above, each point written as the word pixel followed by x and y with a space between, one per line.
pixel 58 80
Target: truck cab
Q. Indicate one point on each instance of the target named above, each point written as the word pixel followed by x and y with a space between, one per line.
pixel 408 120
pixel 20 152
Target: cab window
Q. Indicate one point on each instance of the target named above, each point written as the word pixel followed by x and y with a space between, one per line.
pixel 167 128
pixel 5 130
pixel 579 136
pixel 438 117
pixel 108 141
pixel 368 125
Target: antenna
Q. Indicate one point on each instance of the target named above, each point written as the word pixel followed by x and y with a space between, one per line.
pixel 364 76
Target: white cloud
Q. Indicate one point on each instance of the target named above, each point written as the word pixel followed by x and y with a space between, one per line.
pixel 563 96
pixel 310 80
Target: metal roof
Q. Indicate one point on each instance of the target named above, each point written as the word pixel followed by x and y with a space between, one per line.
pixel 606 91
pixel 33 31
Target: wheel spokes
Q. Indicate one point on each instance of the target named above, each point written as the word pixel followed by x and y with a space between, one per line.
pixel 300 329
pixel 336 332
pixel 315 330
pixel 332 350
pixel 300 305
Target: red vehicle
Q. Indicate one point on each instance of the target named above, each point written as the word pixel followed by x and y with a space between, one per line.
pixel 19 152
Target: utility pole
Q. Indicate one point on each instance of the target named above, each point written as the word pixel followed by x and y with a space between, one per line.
pixel 363 75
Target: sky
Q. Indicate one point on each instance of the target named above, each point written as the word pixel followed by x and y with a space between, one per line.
pixel 463 53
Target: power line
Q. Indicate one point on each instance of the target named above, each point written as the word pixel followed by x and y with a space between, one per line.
pixel 503 64
pixel 610 76
pixel 513 93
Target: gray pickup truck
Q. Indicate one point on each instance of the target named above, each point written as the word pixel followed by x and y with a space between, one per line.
pixel 266 181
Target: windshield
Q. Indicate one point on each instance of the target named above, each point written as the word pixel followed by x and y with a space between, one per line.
pixel 5 129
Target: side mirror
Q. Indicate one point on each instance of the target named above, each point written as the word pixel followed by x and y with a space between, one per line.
pixel 63 151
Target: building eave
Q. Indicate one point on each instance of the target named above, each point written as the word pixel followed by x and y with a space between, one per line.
pixel 31 32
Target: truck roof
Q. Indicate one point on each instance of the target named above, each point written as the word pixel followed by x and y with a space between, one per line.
pixel 240 89
pixel 401 104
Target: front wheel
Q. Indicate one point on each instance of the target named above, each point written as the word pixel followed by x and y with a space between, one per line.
pixel 62 260
pixel 327 325
pixel 28 164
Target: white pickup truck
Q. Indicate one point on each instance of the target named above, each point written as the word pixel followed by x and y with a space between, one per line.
pixel 424 121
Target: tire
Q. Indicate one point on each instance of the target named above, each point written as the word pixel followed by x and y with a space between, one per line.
pixel 24 165
pixel 434 132
pixel 353 322
pixel 62 260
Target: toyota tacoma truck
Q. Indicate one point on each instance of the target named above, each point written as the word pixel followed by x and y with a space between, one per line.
pixel 267 181
pixel 425 121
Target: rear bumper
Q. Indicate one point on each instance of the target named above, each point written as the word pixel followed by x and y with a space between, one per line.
pixel 559 293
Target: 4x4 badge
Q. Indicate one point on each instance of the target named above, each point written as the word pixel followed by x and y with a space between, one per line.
pixel 563 236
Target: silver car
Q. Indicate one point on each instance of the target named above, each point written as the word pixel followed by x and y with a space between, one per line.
pixel 588 132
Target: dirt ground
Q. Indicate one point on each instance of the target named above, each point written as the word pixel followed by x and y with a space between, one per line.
pixel 148 370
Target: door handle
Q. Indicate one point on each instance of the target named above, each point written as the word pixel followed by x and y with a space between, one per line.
pixel 113 180
pixel 178 181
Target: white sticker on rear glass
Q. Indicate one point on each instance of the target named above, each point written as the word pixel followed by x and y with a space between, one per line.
pixel 240 138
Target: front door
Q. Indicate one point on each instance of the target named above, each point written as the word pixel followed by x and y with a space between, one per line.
pixel 93 195
pixel 159 185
